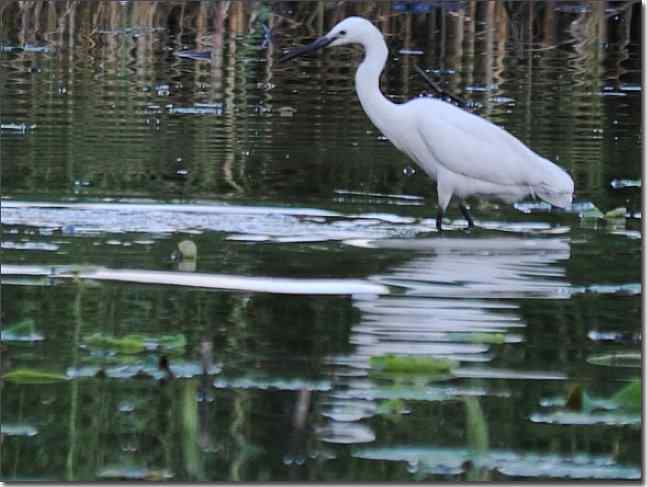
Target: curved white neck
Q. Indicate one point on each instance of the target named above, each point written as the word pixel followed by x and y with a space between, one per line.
pixel 367 82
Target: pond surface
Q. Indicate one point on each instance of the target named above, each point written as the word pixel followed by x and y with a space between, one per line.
pixel 215 268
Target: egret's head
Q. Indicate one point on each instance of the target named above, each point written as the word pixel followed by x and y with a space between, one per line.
pixel 352 30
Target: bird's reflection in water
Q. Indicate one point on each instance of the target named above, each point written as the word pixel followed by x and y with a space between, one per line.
pixel 453 292
pixel 454 285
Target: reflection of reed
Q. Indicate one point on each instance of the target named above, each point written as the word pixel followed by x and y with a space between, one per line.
pixel 107 53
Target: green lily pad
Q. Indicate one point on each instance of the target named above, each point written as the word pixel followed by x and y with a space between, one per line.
pixel 592 213
pixel 629 397
pixel 488 338
pixel 391 407
pixel 616 213
pixel 170 343
pixel 33 376
pixel 126 344
pixel 401 364
pixel 132 344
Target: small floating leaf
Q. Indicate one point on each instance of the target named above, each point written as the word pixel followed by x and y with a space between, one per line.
pixel 591 213
pixel 172 342
pixel 616 213
pixel 391 407
pixel 33 376
pixel 411 364
pixel 629 397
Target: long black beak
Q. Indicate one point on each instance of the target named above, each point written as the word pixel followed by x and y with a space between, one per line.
pixel 313 46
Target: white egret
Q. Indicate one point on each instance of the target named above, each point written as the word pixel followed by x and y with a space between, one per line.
pixel 465 154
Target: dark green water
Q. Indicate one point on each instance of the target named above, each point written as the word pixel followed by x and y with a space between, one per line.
pixel 316 247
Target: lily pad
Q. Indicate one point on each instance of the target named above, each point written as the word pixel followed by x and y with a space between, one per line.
pixel 616 213
pixel 412 364
pixel 126 344
pixel 629 397
pixel 392 408
pixel 489 338
pixel 591 213
pixel 33 376
pixel 132 344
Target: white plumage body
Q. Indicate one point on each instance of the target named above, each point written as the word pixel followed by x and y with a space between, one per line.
pixel 465 154
pixel 468 156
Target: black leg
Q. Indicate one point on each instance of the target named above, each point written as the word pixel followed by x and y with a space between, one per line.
pixel 466 214
pixel 439 220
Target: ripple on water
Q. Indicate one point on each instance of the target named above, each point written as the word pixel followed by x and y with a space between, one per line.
pixel 43 246
pixel 586 418
pixel 265 383
pixel 345 433
pixel 347 411
pixel 438 460
pixel 18 429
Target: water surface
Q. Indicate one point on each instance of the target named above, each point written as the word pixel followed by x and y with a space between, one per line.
pixel 130 128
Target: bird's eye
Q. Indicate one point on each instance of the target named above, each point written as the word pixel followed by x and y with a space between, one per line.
pixel 342 32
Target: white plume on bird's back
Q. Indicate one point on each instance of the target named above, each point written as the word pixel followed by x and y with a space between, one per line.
pixel 464 153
